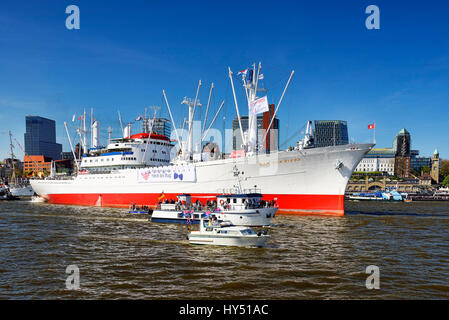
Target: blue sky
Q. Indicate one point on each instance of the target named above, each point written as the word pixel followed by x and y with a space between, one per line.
pixel 126 52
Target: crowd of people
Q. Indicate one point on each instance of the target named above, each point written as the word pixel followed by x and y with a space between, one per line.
pixel 197 205
pixel 212 204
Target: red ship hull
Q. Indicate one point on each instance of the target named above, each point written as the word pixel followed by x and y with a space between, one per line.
pixel 288 203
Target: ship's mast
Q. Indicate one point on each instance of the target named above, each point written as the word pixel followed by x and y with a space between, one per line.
pixel 109 134
pixel 84 133
pixel 250 80
pixel 13 176
pixel 121 123
pixel 150 122
pixel 192 106
pixel 71 146
pixel 205 116
pixel 171 117
pixel 251 89
pixel 91 127
pixel 277 107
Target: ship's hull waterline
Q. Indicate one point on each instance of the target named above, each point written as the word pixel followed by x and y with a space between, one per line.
pixel 310 181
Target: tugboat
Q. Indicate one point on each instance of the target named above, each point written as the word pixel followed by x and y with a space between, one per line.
pixel 224 233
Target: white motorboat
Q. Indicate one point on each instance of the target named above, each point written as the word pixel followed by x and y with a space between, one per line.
pixel 21 190
pixel 5 194
pixel 224 233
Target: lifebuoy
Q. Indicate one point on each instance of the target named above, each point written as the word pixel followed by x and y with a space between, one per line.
pixel 221 202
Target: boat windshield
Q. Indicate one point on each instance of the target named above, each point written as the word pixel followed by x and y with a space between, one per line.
pixel 247 231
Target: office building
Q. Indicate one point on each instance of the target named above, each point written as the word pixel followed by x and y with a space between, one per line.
pixel 418 163
pixel 162 126
pixel 40 138
pixel 330 133
pixel 402 143
pixel 36 164
pixel 263 120
pixel 378 160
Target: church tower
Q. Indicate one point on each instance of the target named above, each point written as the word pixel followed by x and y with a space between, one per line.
pixel 435 173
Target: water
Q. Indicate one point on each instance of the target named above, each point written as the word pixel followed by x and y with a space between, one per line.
pixel 123 256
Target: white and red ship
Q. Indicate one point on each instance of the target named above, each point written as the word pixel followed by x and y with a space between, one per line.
pixel 138 169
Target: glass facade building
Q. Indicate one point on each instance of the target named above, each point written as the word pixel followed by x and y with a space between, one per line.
pixel 402 144
pixel 330 133
pixel 40 138
pixel 162 126
pixel 417 163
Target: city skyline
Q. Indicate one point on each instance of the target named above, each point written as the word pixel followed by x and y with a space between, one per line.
pixel 123 56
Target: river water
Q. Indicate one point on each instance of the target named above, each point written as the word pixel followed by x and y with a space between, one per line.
pixel 121 256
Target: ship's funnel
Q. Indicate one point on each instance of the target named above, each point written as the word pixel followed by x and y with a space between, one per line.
pixel 127 131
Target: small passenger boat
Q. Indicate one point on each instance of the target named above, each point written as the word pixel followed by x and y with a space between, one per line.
pixel 224 233
pixel 241 209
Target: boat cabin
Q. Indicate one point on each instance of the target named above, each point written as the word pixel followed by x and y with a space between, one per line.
pixel 184 201
pixel 239 201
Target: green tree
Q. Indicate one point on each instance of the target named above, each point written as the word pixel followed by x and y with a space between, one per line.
pixel 446 181
pixel 425 169
pixel 444 169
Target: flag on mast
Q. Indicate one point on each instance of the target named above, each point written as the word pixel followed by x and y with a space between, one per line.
pixel 139 118
pixel 371 126
pixel 242 72
pixel 259 105
pixel 80 118
pixel 73 118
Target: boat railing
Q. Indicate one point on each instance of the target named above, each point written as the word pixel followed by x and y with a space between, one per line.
pixel 185 207
pixel 54 178
pixel 260 205
pixel 235 190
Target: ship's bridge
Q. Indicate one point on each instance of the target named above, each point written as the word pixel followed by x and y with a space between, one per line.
pixel 239 201
pixel 139 150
